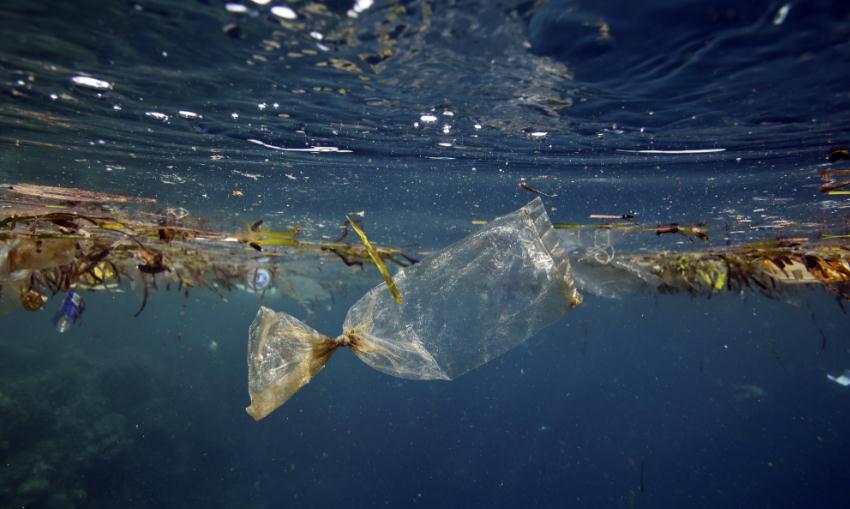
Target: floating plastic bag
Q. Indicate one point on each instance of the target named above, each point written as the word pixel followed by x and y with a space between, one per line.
pixel 463 307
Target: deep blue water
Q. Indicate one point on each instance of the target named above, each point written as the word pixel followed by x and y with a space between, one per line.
pixel 720 402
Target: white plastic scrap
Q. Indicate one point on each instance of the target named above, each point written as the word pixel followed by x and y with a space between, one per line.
pixel 781 14
pixel 284 12
pixel 692 151
pixel 235 8
pixel 842 379
pixel 89 82
pixel 359 6
pixel 313 150
pixel 157 115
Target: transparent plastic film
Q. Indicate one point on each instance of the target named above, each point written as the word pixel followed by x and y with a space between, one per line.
pixel 614 278
pixel 595 258
pixel 469 303
pixel 591 241
pixel 283 355
pixel 462 307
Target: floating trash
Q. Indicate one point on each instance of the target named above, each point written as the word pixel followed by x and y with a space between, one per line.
pixel 235 8
pixel 781 14
pixel 842 379
pixel 33 300
pixel 56 239
pixel 314 150
pixel 259 279
pixel 70 312
pixel 508 280
pixel 93 83
pixel 284 12
pixel 675 152
pixel 157 115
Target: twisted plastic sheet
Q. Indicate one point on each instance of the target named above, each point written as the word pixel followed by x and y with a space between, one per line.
pixel 463 307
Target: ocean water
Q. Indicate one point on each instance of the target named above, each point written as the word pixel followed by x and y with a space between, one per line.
pixel 426 116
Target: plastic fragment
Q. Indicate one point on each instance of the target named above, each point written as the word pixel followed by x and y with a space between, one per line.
pixel 842 379
pixel 259 279
pixel 93 83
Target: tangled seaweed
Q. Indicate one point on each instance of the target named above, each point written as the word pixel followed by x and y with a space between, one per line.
pixel 768 268
pixel 77 239
pixel 72 238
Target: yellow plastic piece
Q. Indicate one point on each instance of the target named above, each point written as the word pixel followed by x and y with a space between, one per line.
pixel 373 254
pixel 102 277
pixel 110 225
pixel 720 282
pixel 264 237
pixel 103 271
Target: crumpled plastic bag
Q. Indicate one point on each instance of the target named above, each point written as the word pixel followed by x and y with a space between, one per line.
pixel 463 307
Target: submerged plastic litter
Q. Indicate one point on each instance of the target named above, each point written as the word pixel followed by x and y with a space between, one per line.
pixel 842 379
pixel 259 279
pixel 70 312
pixel 462 307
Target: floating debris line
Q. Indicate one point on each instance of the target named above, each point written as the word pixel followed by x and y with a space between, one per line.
pixel 54 240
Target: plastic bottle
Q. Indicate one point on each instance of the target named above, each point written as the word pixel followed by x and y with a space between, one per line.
pixel 69 312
